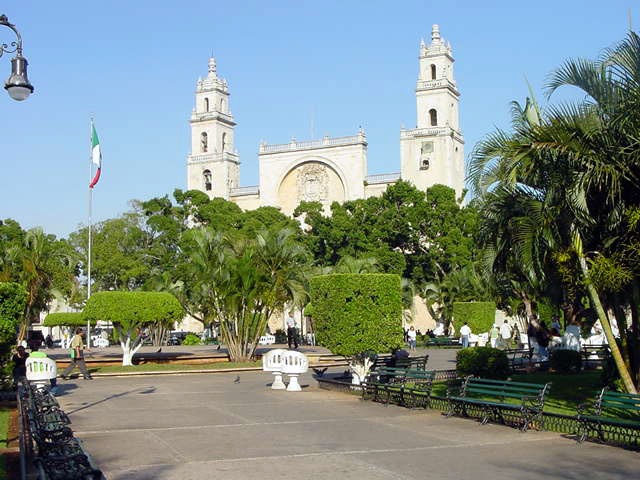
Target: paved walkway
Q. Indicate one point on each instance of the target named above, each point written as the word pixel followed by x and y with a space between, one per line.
pixel 208 426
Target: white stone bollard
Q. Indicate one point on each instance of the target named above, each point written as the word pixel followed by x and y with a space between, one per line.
pixel 272 362
pixel 293 364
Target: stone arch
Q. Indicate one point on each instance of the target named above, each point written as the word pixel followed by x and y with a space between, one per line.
pixel 206 104
pixel 311 178
pixel 433 72
pixel 206 180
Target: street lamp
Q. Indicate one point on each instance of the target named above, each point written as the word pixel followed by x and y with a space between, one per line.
pixel 17 84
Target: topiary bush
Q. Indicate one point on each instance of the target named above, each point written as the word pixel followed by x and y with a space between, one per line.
pixel 484 362
pixel 357 313
pixel 66 319
pixel 479 315
pixel 192 339
pixel 566 361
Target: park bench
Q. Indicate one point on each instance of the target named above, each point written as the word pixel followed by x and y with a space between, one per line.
pixel 493 397
pixel 402 386
pixel 519 358
pixel 386 360
pixel 612 412
pixel 58 454
pixel 594 355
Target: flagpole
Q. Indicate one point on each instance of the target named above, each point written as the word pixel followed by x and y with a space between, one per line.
pixel 89 247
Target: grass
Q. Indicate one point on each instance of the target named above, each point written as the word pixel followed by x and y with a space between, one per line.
pixel 167 367
pixel 566 393
pixel 5 413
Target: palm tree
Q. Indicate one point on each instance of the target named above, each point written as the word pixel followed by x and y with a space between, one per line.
pixel 572 172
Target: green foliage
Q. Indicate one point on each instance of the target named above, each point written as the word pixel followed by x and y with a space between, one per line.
pixel 13 298
pixel 281 336
pixel 355 313
pixel 308 310
pixel 566 361
pixel 66 319
pixel 484 362
pixel 480 316
pixel 132 310
pixel 546 311
pixel 192 339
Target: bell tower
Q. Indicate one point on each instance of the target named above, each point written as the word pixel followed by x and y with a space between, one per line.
pixel 433 152
pixel 213 165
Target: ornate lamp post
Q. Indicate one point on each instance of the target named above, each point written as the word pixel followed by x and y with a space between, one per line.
pixel 17 84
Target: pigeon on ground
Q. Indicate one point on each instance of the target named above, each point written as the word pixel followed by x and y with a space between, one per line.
pixel 159 350
pixel 237 380
pixel 320 371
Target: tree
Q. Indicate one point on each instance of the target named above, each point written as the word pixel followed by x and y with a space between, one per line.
pixel 239 282
pixel 132 312
pixel 358 313
pixel 13 299
pixel 573 174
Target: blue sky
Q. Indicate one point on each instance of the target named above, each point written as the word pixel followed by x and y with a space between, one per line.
pixel 345 63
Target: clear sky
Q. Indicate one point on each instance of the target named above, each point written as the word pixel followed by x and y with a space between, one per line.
pixel 343 63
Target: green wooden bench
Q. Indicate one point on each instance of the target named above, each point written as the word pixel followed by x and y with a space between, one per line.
pixel 377 385
pixel 492 398
pixel 612 412
pixel 415 390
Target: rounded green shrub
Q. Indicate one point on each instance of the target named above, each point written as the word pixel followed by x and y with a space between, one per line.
pixel 66 319
pixel 480 316
pixel 191 339
pixel 356 313
pixel 483 362
pixel 566 361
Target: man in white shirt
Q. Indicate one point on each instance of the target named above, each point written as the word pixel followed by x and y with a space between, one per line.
pixel 505 333
pixel 292 334
pixel 465 333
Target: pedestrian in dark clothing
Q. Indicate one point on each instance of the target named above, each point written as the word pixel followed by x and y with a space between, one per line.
pixel 292 334
pixel 19 364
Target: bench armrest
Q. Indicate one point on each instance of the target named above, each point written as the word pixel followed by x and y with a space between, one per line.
pixel 584 407
pixel 533 401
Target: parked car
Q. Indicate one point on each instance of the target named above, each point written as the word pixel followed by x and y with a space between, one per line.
pixel 176 338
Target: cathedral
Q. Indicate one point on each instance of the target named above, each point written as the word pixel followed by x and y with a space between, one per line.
pixel 331 168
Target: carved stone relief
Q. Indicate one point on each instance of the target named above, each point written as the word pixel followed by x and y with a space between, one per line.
pixel 313 183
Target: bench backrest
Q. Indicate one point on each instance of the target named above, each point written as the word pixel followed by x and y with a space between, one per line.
pixel 482 387
pixel 419 376
pixel 623 401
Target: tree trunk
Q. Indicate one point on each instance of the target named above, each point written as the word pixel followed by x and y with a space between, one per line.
pixel 606 326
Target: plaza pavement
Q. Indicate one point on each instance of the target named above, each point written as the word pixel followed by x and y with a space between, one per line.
pixel 208 426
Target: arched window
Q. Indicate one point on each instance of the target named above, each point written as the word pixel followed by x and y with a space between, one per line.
pixel 433 72
pixel 206 104
pixel 434 117
pixel 222 105
pixel 204 142
pixel 224 142
pixel 206 179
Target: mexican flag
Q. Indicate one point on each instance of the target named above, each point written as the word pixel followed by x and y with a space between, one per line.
pixel 96 155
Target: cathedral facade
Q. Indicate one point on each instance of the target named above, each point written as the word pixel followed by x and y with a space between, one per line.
pixel 331 168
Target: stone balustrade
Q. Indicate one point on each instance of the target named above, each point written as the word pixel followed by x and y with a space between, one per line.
pixel 240 191
pixel 382 178
pixel 326 141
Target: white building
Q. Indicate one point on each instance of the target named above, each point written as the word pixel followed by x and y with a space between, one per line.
pixel 330 169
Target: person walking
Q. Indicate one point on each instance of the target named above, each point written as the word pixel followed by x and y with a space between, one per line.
pixel 505 333
pixel 411 337
pixel 465 333
pixel 493 335
pixel 77 356
pixel 292 334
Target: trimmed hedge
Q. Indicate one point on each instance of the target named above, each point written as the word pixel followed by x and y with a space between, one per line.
pixel 130 310
pixel 479 315
pixel 66 319
pixel 356 313
pixel 566 361
pixel 483 362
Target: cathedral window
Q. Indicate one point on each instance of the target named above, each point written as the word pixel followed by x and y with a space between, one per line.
pixel 206 104
pixel 433 72
pixel 224 142
pixel 206 178
pixel 433 115
pixel 204 142
pixel 222 105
